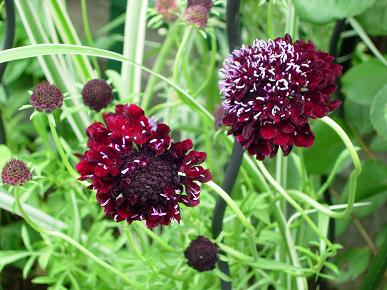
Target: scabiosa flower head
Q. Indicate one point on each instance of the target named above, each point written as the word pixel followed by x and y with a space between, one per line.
pixel 196 15
pixel 138 173
pixel 46 98
pixel 97 94
pixel 271 89
pixel 202 254
pixel 168 9
pixel 15 172
pixel 204 3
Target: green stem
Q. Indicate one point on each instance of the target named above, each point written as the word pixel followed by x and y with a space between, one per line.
pixel 270 31
pixel 211 65
pixel 285 195
pixel 363 35
pixel 158 66
pixel 70 169
pixel 89 37
pixel 231 204
pixel 289 244
pixel 181 53
pixel 342 157
pixel 74 243
pixel 356 162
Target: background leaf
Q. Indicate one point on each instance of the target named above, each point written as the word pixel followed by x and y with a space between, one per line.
pixel 372 180
pixel 374 20
pixel 379 113
pixel 5 155
pixel 362 82
pixel 320 12
pixel 327 147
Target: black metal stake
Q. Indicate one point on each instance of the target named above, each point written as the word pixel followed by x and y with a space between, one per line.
pixel 234 41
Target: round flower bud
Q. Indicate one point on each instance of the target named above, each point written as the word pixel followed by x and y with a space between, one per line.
pixel 15 172
pixel 202 254
pixel 204 3
pixel 196 15
pixel 168 9
pixel 97 94
pixel 219 115
pixel 46 98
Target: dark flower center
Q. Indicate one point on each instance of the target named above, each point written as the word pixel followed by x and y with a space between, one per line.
pixel 147 174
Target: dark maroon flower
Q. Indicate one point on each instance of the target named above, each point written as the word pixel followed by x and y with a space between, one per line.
pixel 46 97
pixel 202 254
pixel 196 15
pixel 138 173
pixel 168 9
pixel 204 3
pixel 97 94
pixel 272 88
pixel 15 172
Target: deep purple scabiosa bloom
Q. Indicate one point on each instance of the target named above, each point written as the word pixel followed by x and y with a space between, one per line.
pixel 205 3
pixel 97 94
pixel 46 98
pixel 197 15
pixel 271 89
pixel 168 9
pixel 15 172
pixel 202 254
pixel 138 173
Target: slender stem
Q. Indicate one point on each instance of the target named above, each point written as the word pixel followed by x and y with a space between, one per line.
pixel 228 200
pixel 363 232
pixel 289 244
pixel 89 37
pixel 158 66
pixel 10 32
pixel 59 146
pixel 8 43
pixel 356 162
pixel 363 35
pixel 72 242
pixel 289 199
pixel 211 65
pixel 270 31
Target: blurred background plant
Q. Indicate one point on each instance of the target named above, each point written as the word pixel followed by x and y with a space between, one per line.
pixel 164 40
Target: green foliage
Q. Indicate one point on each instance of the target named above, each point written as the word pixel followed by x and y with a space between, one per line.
pixel 374 19
pixel 327 146
pixel 319 13
pixel 289 244
pixel 362 82
pixel 379 113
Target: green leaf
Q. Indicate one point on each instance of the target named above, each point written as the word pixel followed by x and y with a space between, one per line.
pixel 374 20
pixel 372 180
pixel 44 258
pixel 361 83
pixel 358 116
pixel 378 144
pixel 320 12
pixel 326 149
pixel 8 257
pixel 26 237
pixel 379 113
pixel 5 155
pixel 28 266
pixel 352 263
pixel 376 201
pixel 44 280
